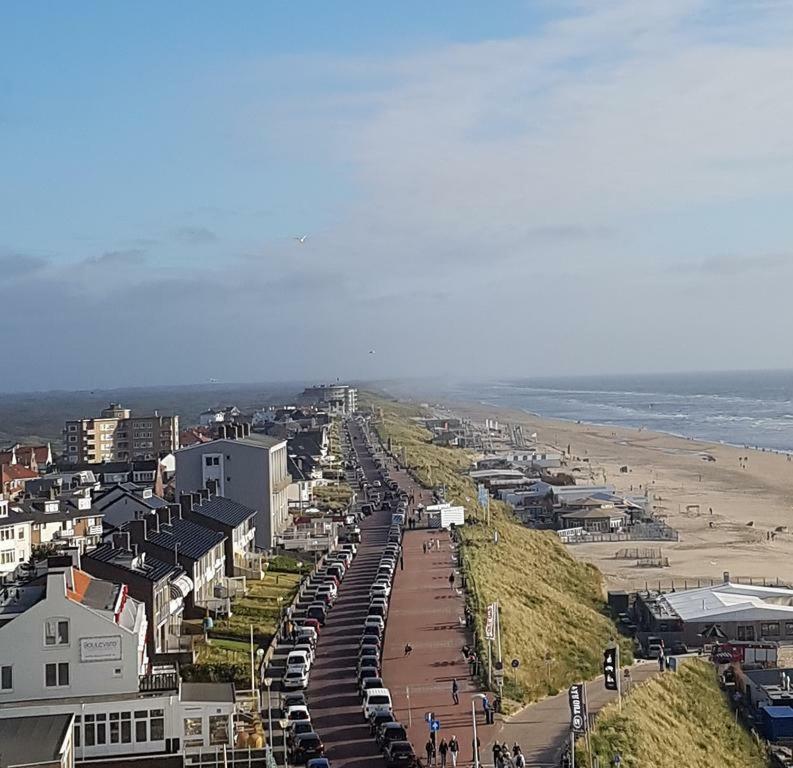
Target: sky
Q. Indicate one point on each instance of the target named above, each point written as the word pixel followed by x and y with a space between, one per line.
pixel 487 190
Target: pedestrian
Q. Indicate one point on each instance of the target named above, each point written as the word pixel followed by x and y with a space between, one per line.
pixel 661 661
pixel 451 580
pixel 455 691
pixel 429 748
pixel 408 649
pixel 401 562
pixel 424 547
pixel 443 748
pixel 498 760
pixel 505 755
pixel 486 708
pixel 454 748
pixel 519 761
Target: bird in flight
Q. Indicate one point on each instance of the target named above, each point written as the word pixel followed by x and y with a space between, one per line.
pixel 301 239
pixel 371 351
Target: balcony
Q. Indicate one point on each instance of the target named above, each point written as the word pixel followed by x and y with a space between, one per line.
pixel 281 484
pixel 159 681
pixel 67 534
pixel 95 530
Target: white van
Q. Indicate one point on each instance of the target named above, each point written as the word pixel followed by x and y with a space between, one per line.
pixel 376 700
pixel 298 659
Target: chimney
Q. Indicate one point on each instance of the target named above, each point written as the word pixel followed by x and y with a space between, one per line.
pixel 203 493
pixel 726 577
pixel 133 548
pixel 152 523
pixel 137 531
pixel 196 498
pixel 164 515
pixel 246 429
pixel 222 432
pixel 53 494
pixel 121 540
pixel 176 511
pixel 185 501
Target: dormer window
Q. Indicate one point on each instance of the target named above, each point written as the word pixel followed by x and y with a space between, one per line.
pixel 52 506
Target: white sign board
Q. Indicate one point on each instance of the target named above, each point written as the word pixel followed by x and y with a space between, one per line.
pixel 100 648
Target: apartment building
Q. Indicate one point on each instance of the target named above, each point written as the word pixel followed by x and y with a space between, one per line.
pixel 338 399
pixel 118 435
pixel 15 540
pixel 161 586
pixel 246 467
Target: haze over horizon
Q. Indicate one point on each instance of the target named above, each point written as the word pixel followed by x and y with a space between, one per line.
pixel 561 188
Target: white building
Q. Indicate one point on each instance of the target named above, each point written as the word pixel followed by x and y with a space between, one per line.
pixel 73 644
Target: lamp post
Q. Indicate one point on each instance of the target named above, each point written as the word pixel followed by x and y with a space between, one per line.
pixel 474 699
pixel 268 681
pixel 284 725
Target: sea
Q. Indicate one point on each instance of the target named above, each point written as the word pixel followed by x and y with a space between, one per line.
pixel 753 409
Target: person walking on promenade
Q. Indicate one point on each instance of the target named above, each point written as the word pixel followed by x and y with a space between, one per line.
pixel 519 761
pixel 486 708
pixel 429 748
pixel 424 546
pixel 408 649
pixel 401 562
pixel 451 580
pixel 454 748
pixel 443 748
pixel 498 759
pixel 455 691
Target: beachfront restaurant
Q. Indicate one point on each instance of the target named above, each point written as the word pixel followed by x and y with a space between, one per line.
pixel 593 516
pixel 731 612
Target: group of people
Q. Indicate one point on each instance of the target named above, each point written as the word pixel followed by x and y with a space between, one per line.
pixel 503 758
pixel 446 750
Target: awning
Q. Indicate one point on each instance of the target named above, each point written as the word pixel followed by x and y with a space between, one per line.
pixel 181 586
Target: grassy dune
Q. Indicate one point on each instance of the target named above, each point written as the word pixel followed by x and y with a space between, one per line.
pixel 676 719
pixel 552 605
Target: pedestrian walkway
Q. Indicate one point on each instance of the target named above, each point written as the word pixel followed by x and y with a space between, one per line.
pixel 542 729
pixel 427 614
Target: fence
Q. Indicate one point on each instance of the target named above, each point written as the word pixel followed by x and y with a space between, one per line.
pixel 639 532
pixel 672 585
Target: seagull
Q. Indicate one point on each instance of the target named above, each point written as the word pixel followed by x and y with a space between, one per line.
pixel 371 351
pixel 301 239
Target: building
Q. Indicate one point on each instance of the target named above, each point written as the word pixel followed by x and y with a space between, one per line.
pixel 212 416
pixel 594 516
pixel 250 469
pixel 65 520
pixel 126 501
pixel 200 551
pixel 35 457
pixel 71 634
pixel 41 741
pixel 161 586
pixel 338 399
pixel 740 612
pixel 235 521
pixel 15 540
pixel 75 645
pixel 14 479
pixel 117 435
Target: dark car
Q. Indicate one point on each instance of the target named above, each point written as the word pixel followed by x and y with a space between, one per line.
pixel 318 612
pixel 372 631
pixel 370 657
pixel 378 718
pixel 298 728
pixel 370 641
pixel 318 762
pixel 678 648
pixel 307 746
pixel 288 699
pixel 389 732
pixel 399 754
pixel 367 672
pixel 377 610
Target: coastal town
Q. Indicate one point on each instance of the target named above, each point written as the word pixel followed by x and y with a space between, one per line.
pixel 294 586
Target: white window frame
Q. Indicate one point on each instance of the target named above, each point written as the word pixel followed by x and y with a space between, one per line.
pixel 58 665
pixel 57 621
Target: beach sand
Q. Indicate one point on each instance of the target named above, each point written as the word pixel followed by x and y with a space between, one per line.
pixel 758 491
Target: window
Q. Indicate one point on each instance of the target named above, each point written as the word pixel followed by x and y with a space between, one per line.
pixel 6 678
pixel 56 632
pixel 208 461
pixel 6 534
pixel 789 627
pixel 20 533
pixel 770 630
pixel 126 727
pixel 78 731
pixel 56 675
pixel 157 725
pixel 7 557
pixel 141 725
pixel 218 729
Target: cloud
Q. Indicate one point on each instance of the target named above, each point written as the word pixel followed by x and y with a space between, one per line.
pixel 196 235
pixel 126 257
pixel 15 265
pixel 735 265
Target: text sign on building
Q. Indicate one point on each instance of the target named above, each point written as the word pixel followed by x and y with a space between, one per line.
pixel 100 648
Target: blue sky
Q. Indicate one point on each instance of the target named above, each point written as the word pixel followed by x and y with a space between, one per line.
pixel 611 179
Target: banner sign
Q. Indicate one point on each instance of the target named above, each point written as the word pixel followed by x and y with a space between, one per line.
pixel 490 624
pixel 100 648
pixel 578 719
pixel 610 669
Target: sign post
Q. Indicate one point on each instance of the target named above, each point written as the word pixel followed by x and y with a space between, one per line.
pixel 611 671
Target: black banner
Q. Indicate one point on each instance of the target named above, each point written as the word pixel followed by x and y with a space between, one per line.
pixel 610 670
pixel 578 719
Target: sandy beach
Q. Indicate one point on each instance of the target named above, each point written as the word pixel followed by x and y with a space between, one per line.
pixel 684 486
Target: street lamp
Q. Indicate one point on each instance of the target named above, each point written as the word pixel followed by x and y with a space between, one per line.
pixel 474 699
pixel 268 681
pixel 284 725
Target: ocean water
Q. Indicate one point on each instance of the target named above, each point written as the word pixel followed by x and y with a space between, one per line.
pixel 741 408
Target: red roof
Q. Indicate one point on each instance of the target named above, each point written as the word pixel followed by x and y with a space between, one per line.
pixel 11 472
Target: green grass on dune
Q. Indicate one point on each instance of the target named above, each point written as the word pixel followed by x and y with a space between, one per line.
pixel 676 719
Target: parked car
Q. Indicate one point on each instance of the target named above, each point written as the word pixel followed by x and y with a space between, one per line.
pixel 296 728
pixel 367 673
pixel 370 682
pixel 294 699
pixel 373 620
pixel 299 657
pixel 306 747
pixel 399 754
pixel 318 762
pixel 376 700
pixel 295 712
pixel 389 732
pixel 295 678
pixel 317 611
pixel 378 718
